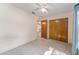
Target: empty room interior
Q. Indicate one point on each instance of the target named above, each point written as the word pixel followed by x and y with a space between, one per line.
pixel 36 28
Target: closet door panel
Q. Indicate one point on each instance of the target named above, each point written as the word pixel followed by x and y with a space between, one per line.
pixel 64 29
pixel 53 30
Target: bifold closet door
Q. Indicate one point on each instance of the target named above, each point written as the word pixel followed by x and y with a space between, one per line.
pixel 58 29
pixel 64 29
pixel 53 30
pixel 44 29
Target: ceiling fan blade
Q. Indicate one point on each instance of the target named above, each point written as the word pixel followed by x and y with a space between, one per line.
pixel 36 9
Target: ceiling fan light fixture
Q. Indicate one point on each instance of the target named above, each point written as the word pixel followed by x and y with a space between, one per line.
pixel 44 10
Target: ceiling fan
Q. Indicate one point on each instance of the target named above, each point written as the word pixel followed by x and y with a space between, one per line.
pixel 43 7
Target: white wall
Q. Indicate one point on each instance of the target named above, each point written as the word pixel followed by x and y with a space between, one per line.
pixel 70 23
pixel 16 27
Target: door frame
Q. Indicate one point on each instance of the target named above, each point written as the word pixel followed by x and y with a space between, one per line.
pixel 75 31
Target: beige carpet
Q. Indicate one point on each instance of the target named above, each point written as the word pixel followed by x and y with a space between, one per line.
pixel 41 47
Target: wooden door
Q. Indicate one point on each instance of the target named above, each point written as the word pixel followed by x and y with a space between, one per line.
pixel 53 29
pixel 44 29
pixel 64 29
pixel 58 29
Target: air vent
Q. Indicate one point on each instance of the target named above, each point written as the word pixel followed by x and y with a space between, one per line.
pixel 33 12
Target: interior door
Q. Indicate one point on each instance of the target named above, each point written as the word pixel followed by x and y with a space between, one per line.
pixel 58 29
pixel 44 29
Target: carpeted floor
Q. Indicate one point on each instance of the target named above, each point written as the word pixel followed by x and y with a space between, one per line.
pixel 41 47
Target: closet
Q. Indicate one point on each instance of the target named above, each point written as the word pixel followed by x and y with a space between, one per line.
pixel 58 29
